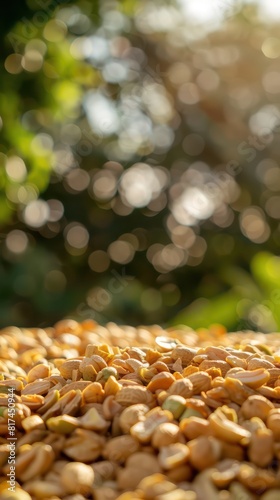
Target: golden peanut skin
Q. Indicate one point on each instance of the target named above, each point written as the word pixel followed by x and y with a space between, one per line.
pixel 33 460
pixel 215 353
pixel 173 455
pixel 161 381
pixel 182 387
pixel 39 488
pixel 256 406
pixel 255 363
pixel 227 430
pixel 84 445
pixel 272 494
pixel 204 452
pixel 138 466
pixel 120 448
pixel 131 416
pixel 255 478
pixel 77 477
pixel 67 368
pixel 273 423
pixel 130 395
pixel 235 361
pixel 144 429
pixel 113 404
pixel 193 427
pixel 201 381
pixel 260 450
pixel 165 434
pixel 186 354
pixel 37 372
pixel 155 485
pixel 253 378
pixel 238 392
pixel 217 363
pixel 225 472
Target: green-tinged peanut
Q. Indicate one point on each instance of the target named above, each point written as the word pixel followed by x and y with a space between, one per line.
pixel 92 420
pixel 111 413
pixel 176 404
pixel 63 424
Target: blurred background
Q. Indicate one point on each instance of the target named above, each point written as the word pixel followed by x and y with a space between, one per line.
pixel 139 162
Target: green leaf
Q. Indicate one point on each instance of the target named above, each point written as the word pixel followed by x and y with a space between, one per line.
pixel 266 269
pixel 203 312
pixel 5 210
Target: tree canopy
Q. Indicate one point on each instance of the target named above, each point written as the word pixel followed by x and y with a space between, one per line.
pixel 140 176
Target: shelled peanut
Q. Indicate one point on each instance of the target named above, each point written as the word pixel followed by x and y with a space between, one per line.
pixel 121 413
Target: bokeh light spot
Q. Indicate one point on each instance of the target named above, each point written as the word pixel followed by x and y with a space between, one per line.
pixel 77 236
pixel 104 185
pixel 121 251
pixel 271 47
pixel 13 64
pixel 56 210
pixel 77 180
pixel 55 30
pixel 16 241
pixel 32 61
pixel 16 169
pixel 99 261
pixel 253 225
pixel 36 213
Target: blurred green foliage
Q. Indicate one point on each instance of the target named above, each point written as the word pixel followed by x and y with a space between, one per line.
pixel 139 164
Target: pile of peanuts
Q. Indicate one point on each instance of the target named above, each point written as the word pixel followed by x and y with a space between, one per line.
pixel 125 413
